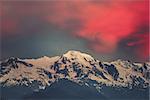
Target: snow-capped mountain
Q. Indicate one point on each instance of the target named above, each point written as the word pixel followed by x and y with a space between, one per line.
pixel 75 66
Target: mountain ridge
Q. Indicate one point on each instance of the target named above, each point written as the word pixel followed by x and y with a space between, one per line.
pixel 75 66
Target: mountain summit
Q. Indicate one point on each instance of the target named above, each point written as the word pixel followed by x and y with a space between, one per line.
pixel 77 55
pixel 76 67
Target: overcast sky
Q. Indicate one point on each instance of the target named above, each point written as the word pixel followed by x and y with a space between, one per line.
pixel 106 29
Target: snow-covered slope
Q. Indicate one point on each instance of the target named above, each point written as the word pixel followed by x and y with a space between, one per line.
pixel 75 66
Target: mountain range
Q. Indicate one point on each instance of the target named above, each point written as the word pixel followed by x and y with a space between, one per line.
pixel 74 76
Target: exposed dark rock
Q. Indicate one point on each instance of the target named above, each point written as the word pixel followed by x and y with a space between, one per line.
pixel 48 74
pixel 99 72
pixel 63 71
pixel 111 69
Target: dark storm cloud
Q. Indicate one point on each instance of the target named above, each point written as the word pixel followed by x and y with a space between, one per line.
pixel 100 28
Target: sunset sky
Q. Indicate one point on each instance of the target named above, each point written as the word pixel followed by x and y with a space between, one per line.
pixel 106 29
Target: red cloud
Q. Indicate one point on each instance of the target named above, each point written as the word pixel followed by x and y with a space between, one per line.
pixel 106 26
pixel 103 24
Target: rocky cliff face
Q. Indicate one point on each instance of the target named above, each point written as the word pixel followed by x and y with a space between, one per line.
pixel 75 66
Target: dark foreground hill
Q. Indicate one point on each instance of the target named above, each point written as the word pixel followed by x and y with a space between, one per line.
pixel 67 90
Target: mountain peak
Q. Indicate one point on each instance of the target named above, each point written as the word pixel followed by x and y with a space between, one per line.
pixel 78 55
